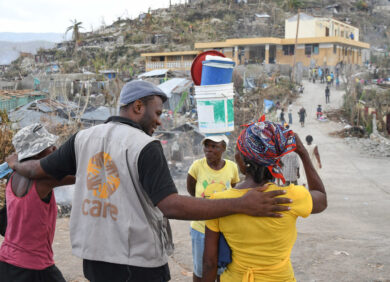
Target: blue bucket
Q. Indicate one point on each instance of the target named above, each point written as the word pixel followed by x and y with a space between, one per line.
pixel 216 72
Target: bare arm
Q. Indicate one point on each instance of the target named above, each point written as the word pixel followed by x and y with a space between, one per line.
pixel 317 154
pixel 210 256
pixel 254 203
pixel 191 185
pixel 30 169
pixel 45 186
pixel 316 187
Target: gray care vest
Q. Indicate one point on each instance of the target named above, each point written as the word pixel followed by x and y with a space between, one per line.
pixel 112 218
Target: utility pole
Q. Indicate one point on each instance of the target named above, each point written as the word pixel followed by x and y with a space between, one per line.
pixel 295 46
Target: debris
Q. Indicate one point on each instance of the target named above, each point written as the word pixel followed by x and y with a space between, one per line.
pixel 63 210
pixel 350 131
pixel 337 253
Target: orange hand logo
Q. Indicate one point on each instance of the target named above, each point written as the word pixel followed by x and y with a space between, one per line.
pixel 102 175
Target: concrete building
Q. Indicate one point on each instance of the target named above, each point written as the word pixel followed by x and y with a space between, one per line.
pixel 169 60
pixel 321 42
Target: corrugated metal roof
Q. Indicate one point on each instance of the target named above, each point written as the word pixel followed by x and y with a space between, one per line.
pixel 154 73
pixel 25 115
pixel 175 85
pixel 99 114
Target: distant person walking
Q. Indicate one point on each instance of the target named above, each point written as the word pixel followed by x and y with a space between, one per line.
pixel 290 168
pixel 328 79
pixel 282 118
pixel 289 110
pixel 331 78
pixel 327 95
pixel 302 116
pixel 314 154
pixel 337 82
pixel 320 73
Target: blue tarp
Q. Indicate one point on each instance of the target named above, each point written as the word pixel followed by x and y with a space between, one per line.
pixel 268 104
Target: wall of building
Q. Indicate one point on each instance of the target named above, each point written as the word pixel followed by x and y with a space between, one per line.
pixel 307 28
pixel 182 63
pixel 325 56
pixel 316 27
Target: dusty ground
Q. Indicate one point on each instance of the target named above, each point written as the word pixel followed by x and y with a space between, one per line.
pixel 348 242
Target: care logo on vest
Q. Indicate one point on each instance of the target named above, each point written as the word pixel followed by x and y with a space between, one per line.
pixel 98 166
pixel 103 180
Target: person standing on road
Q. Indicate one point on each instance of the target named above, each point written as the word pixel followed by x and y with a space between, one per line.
pixel 327 95
pixel 261 247
pixel 290 168
pixel 124 192
pixel 331 78
pixel 302 116
pixel 282 118
pixel 26 254
pixel 313 152
pixel 290 111
pixel 320 73
pixel 205 177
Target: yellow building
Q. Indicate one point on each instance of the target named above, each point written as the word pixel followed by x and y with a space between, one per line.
pixel 321 42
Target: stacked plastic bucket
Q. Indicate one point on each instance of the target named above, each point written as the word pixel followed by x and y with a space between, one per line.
pixel 214 92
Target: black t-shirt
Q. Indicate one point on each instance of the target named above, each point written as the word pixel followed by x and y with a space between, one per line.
pixel 153 169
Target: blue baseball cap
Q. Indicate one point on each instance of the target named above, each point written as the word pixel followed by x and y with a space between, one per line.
pixel 137 89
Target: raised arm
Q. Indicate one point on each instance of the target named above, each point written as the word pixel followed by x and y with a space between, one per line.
pixel 316 187
pixel 60 163
pixel 30 169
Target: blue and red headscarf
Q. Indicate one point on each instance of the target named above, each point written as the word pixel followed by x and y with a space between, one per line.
pixel 265 142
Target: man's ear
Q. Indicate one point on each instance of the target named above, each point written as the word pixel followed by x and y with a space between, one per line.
pixel 138 107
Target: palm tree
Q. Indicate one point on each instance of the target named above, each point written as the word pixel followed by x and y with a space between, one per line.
pixel 75 27
pixel 292 5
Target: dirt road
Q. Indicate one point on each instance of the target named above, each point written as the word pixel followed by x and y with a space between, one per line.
pixel 350 241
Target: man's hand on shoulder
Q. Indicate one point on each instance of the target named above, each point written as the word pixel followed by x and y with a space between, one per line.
pixel 259 203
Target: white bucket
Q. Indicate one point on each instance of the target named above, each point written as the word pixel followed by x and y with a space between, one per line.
pixel 215 106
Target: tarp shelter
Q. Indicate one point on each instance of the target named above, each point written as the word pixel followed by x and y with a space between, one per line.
pixel 268 104
pixel 178 92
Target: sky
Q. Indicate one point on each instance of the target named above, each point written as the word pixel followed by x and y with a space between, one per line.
pixel 43 16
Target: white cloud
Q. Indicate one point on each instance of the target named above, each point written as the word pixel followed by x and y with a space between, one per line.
pixel 55 15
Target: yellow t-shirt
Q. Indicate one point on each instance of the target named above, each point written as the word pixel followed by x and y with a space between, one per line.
pixel 262 244
pixel 209 181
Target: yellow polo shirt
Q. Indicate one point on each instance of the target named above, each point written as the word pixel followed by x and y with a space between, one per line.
pixel 209 181
pixel 261 246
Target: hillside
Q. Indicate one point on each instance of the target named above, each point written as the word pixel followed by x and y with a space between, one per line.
pixel 177 28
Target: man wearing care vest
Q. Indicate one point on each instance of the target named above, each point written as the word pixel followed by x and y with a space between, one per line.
pixel 124 192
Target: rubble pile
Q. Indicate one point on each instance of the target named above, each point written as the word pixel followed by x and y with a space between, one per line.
pixel 370 147
pixel 336 115
pixel 351 131
pixel 63 210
